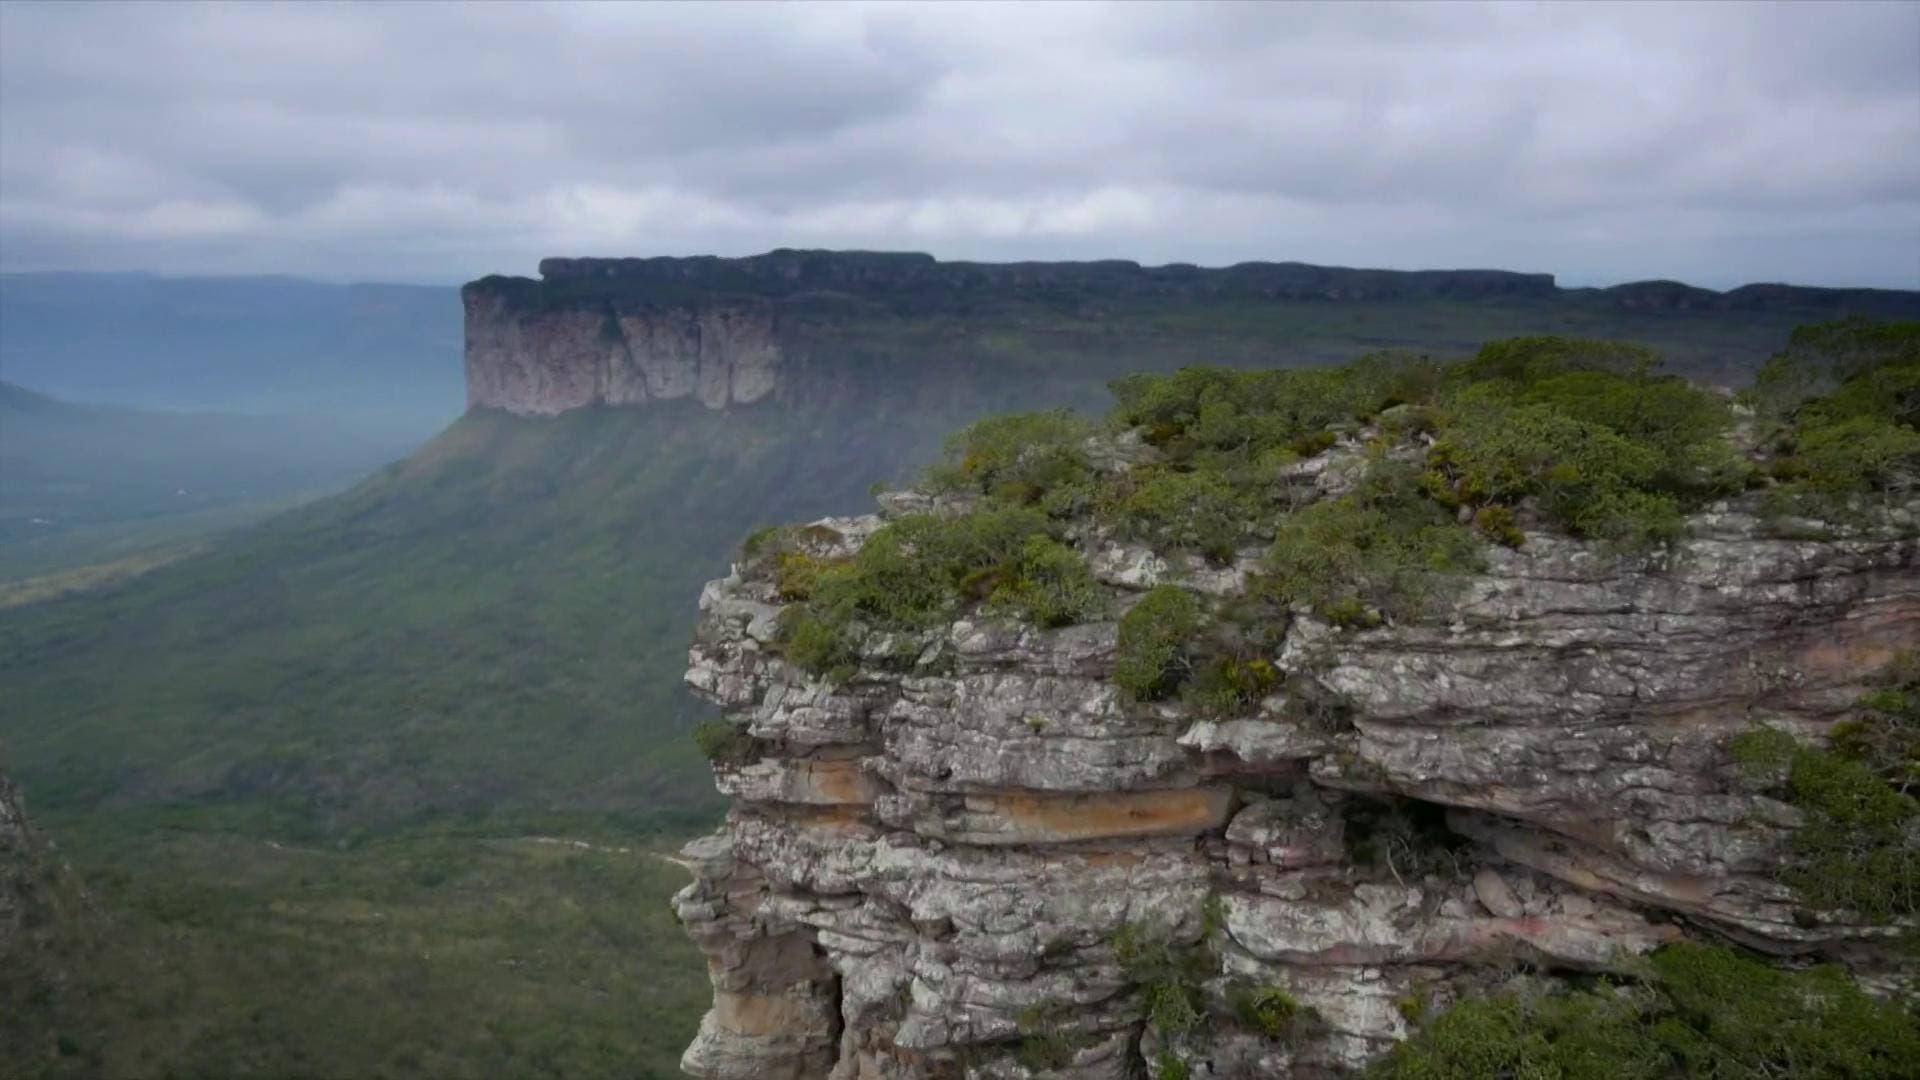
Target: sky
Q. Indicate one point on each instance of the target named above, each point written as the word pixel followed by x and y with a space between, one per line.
pixel 1713 143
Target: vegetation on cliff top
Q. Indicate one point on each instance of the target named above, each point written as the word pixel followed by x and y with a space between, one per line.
pixel 1585 437
pixel 1703 1011
pixel 1841 405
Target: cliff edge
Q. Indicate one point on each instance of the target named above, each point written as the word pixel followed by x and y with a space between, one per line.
pixel 1031 778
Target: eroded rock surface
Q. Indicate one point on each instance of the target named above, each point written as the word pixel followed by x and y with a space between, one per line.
pixel 929 868
pixel 548 359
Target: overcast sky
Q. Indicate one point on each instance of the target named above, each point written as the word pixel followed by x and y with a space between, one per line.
pixel 1716 143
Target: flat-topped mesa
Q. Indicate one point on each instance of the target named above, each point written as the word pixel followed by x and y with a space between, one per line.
pixel 721 331
pixel 964 851
pixel 730 332
pixel 786 273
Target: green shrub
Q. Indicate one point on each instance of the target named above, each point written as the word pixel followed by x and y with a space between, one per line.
pixel 817 644
pixel 1498 524
pixel 1180 511
pixel 723 743
pixel 1830 462
pixel 1588 477
pixel 1168 976
pixel 1845 401
pixel 1246 413
pixel 1885 735
pixel 1527 361
pixel 1857 849
pixel 1016 459
pixel 796 573
pixel 1705 1012
pixel 1663 414
pixel 922 570
pixel 1270 1010
pixel 1150 661
pixel 758 541
pixel 1048 584
pixel 1229 685
pixel 1821 359
pixel 1735 1016
pixel 1610 449
pixel 1381 550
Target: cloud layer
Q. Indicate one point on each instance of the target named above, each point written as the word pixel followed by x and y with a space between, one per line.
pixel 1717 143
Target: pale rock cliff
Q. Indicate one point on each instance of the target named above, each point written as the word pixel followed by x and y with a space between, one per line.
pixel 545 360
pixel 924 866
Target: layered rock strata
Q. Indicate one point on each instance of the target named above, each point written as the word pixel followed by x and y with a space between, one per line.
pixel 928 869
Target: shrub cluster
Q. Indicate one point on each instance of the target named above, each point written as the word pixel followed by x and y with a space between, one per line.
pixel 1168 975
pixel 723 743
pixel 1023 459
pixel 1376 552
pixel 1843 400
pixel 1200 511
pixel 1703 1011
pixel 1272 1011
pixel 922 570
pixel 1858 849
pixel 1605 446
pixel 1152 659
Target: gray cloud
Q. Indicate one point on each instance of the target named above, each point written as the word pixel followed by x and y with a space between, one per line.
pixel 1718 143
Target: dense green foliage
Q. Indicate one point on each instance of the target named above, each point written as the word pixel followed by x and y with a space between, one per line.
pixel 1150 661
pixel 1377 551
pixel 1843 405
pixel 1204 512
pixel 1703 1012
pixel 1608 448
pixel 1270 1010
pixel 1022 458
pixel 922 569
pixel 1857 850
pixel 213 952
pixel 723 742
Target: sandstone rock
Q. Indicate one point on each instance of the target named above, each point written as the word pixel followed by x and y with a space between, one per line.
pixel 543 360
pixel 940 855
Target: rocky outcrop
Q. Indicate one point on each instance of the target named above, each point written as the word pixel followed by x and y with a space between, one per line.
pixel 934 868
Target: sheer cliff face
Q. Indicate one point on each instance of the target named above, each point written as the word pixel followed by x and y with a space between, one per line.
pixel 931 869
pixel 547 360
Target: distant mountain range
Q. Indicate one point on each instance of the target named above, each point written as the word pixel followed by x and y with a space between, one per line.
pixel 376 358
pixel 77 481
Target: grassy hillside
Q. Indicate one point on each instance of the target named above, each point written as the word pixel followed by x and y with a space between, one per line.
pixel 212 951
pixel 492 628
